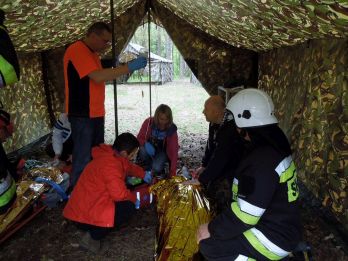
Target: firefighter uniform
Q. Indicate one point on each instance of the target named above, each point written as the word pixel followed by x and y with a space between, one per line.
pixel 9 66
pixel 263 222
pixel 264 209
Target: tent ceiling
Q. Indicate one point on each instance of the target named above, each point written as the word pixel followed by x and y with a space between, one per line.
pixel 257 25
pixel 45 24
pixel 264 24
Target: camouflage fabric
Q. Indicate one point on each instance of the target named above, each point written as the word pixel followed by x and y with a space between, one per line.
pixel 125 26
pixel 212 61
pixel 55 74
pixel 264 25
pixel 36 25
pixel 253 24
pixel 309 86
pixel 26 103
pixel 217 39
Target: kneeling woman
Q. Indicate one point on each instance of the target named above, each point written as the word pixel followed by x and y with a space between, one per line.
pixel 263 222
pixel 158 139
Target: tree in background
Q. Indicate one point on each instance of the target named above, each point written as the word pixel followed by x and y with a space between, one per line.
pixel 162 45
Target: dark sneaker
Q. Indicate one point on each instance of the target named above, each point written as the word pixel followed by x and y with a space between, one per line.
pixel 88 243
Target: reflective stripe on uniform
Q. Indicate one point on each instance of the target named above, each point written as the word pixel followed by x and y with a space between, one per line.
pixel 283 165
pixel 263 245
pixel 9 190
pixel 250 208
pixel 5 183
pixel 7 71
pixel 244 258
pixel 246 212
pixel 287 174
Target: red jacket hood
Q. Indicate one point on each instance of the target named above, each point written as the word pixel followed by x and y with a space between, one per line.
pixel 102 150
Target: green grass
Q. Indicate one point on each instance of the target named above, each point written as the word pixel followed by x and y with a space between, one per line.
pixel 185 99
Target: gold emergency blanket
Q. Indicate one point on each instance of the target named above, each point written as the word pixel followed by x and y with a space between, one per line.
pixel 28 191
pixel 181 209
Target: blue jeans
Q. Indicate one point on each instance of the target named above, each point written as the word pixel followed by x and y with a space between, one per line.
pixel 156 163
pixel 86 133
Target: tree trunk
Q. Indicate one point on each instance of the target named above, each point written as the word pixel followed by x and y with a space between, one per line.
pixel 169 47
pixel 182 66
pixel 159 40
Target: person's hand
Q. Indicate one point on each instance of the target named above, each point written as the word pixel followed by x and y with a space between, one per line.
pixel 137 64
pixel 150 149
pixel 137 204
pixel 202 232
pixel 148 177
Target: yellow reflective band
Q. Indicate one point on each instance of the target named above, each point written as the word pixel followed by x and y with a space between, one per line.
pixel 243 216
pixel 290 177
pixel 8 195
pixel 7 71
pixel 293 190
pixel 288 173
pixel 254 241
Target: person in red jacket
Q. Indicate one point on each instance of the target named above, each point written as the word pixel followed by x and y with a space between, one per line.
pixel 100 200
pixel 158 140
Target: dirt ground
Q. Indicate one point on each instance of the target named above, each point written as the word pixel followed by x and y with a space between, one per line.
pixel 49 237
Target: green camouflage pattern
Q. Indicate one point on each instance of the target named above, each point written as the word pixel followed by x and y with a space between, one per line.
pixel 306 78
pixel 253 24
pixel 261 25
pixel 55 73
pixel 309 85
pixel 26 103
pixel 36 25
pixel 125 26
pixel 214 62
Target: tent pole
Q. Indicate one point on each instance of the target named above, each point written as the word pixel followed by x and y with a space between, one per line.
pixel 149 44
pixel 114 65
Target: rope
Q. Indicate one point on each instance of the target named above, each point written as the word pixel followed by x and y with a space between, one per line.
pixel 149 44
pixel 114 64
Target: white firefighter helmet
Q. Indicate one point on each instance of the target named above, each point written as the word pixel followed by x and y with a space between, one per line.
pixel 251 108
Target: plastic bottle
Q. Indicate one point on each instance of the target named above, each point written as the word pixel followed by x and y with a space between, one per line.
pixel 185 172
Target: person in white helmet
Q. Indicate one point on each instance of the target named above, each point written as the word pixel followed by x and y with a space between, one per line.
pixel 263 222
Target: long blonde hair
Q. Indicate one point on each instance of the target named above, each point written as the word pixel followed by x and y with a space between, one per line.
pixel 166 110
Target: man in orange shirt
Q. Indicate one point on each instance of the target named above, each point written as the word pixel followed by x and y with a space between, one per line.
pixel 85 91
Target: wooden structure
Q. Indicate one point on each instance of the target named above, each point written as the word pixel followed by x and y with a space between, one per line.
pixel 161 68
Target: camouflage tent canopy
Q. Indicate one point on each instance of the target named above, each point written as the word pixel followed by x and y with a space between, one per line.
pixel 294 49
pixel 257 25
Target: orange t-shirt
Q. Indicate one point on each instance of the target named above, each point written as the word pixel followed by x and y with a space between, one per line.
pixel 83 96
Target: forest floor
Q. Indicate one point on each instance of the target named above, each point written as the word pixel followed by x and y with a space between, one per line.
pixel 49 237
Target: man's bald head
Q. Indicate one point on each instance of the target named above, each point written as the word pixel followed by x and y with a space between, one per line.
pixel 214 109
pixel 217 102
